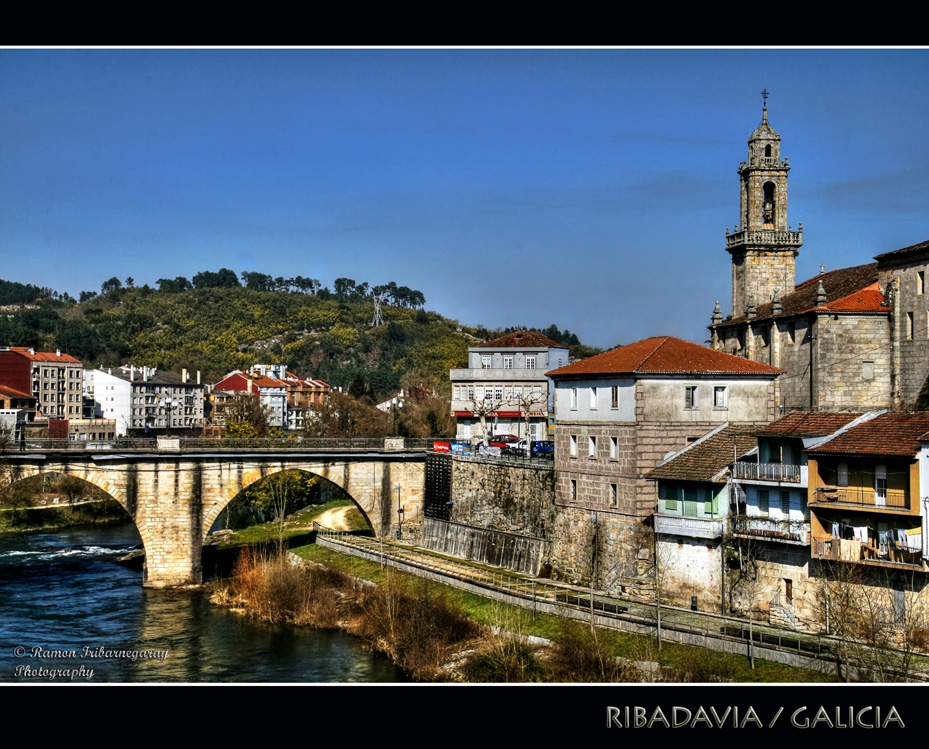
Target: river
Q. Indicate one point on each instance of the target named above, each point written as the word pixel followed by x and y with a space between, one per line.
pixel 69 612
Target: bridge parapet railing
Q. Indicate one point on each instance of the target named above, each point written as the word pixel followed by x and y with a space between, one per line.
pixel 291 442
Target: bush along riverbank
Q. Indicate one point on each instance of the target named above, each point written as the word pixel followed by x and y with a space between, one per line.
pixel 436 633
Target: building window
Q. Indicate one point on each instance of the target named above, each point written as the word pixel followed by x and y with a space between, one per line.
pixel 764 502
pixel 909 326
pixel 498 392
pixel 593 398
pixel 788 590
pixel 485 362
pixel 591 447
pixel 573 445
pixel 920 282
pixel 470 392
pixel 614 495
pixel 614 396
pixel 574 490
pixel 720 399
pixel 517 391
pixel 867 370
pixel 614 448
pixel 843 474
pixel 574 398
pixel 508 392
pixel 785 504
pixel 457 395
pixel 479 392
pixel 530 361
pixel 690 396
pixel 507 362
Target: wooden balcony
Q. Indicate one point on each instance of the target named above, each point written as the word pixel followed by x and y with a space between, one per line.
pixel 676 525
pixel 780 472
pixel 779 531
pixel 836 550
pixel 860 496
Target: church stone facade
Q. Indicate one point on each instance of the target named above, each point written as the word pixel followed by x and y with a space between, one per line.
pixel 851 339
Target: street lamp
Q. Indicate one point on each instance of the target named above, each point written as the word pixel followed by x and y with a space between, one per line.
pixel 399 515
pixel 169 405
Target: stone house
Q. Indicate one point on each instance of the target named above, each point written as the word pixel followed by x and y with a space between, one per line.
pixel 695 495
pixel 618 415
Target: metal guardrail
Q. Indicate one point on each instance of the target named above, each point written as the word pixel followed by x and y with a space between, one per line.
pixel 678 624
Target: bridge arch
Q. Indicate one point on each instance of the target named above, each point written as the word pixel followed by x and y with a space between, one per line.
pixel 211 517
pixel 174 496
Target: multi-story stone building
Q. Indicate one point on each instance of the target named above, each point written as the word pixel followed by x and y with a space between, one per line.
pixel 142 399
pixel 902 276
pixel 620 413
pixel 54 379
pixel 504 383
pixel 852 339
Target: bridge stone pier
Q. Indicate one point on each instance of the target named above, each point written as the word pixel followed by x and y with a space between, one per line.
pixel 174 497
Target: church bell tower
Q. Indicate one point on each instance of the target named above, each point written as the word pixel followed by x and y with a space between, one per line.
pixel 764 248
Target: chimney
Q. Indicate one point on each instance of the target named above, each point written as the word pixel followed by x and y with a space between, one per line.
pixel 198 376
pixel 131 373
pixel 184 375
pixel 57 352
pixel 144 374
pixel 249 385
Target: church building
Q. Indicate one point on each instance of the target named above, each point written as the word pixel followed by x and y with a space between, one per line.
pixel 852 339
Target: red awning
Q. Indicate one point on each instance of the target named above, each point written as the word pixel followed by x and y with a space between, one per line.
pixel 496 414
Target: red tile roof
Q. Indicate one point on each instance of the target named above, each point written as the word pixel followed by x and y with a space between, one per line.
pixel 14 393
pixel 703 460
pixel 896 433
pixel 49 356
pixel 847 290
pixel 665 355
pixel 807 424
pixel 527 338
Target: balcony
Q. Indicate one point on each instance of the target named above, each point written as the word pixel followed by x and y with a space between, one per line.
pixel 676 525
pixel 839 550
pixel 779 472
pixel 781 531
pixel 859 496
pixel 764 237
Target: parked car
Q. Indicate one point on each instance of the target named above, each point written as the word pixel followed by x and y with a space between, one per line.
pixel 517 447
pixel 503 440
pixel 543 449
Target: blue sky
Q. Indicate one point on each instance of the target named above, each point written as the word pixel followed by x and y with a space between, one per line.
pixel 587 188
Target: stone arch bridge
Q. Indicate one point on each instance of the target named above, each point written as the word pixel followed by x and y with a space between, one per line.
pixel 175 493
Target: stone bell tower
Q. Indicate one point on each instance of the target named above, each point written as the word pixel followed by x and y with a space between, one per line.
pixel 764 248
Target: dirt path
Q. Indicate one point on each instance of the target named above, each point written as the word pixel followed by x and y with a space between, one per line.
pixel 336 518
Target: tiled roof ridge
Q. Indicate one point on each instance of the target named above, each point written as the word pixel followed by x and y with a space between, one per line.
pixel 665 355
pixel 507 340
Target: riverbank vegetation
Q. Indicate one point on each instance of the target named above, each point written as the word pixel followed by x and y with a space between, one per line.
pixel 49 501
pixel 440 633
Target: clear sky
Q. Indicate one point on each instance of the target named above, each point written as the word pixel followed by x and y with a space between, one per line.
pixel 586 188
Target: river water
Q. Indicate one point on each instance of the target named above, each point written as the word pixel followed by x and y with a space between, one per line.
pixel 62 591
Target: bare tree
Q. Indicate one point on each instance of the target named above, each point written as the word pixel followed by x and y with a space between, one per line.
pixel 526 399
pixel 744 551
pixel 485 404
